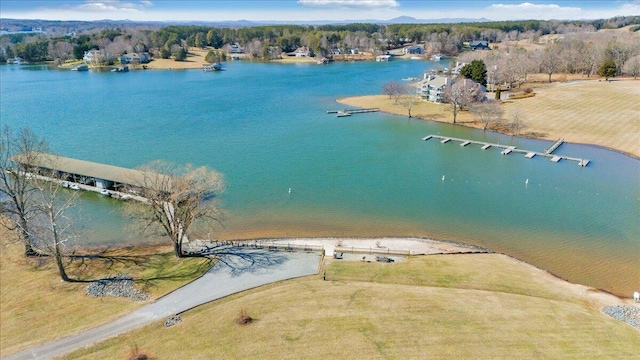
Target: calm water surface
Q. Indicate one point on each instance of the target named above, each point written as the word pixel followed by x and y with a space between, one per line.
pixel 265 127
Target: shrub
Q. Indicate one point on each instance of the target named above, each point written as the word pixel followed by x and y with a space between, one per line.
pixel 244 318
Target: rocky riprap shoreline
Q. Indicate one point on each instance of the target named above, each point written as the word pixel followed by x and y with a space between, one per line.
pixel 628 314
pixel 119 286
pixel 172 320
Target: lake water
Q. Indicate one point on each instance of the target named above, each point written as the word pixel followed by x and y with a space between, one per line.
pixel 265 127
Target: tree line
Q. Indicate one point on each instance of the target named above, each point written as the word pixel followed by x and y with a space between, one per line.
pixel 265 42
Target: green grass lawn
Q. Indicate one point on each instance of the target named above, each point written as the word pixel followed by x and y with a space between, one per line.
pixel 446 306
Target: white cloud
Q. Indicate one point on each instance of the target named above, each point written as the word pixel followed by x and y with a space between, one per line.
pixel 111 6
pixel 350 3
pixel 533 11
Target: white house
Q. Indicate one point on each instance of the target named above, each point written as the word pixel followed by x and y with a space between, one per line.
pixel 236 49
pixel 432 87
pixel 302 51
pixel 90 55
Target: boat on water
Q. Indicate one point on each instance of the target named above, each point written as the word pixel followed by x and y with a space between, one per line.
pixel 74 187
pixel 212 67
pixel 410 79
pixel 105 192
pixel 437 57
pixel 81 67
pixel 121 69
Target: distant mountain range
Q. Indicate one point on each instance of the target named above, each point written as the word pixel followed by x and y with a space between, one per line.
pixel 17 24
pixel 397 20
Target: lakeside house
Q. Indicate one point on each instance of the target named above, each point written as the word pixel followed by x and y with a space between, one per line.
pixel 236 49
pixel 91 55
pixel 432 87
pixel 479 45
pixel 354 51
pixel 302 51
pixel 135 58
pixel 413 50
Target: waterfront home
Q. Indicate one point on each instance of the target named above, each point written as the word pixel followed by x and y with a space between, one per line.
pixel 135 58
pixel 354 51
pixel 432 87
pixel 302 51
pixel 91 55
pixel 413 50
pixel 236 49
pixel 479 45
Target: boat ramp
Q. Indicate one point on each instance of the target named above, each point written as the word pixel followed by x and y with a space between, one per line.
pixel 508 149
pixel 349 112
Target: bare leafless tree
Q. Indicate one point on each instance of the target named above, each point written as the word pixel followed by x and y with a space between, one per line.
pixel 394 89
pixel 632 67
pixel 517 122
pixel 52 227
pixel 549 60
pixel 16 190
pixel 488 112
pixel 408 98
pixel 175 198
pixel 460 94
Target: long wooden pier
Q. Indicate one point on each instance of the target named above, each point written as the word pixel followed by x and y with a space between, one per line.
pixel 349 112
pixel 507 149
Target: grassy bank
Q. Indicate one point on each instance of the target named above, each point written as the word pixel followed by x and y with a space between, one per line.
pixel 38 307
pixel 587 112
pixel 450 306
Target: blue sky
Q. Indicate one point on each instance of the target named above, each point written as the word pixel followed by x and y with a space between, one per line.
pixel 311 10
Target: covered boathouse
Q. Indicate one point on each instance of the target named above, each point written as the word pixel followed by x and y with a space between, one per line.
pixel 100 176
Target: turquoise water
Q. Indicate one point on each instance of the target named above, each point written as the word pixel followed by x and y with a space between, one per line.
pixel 265 127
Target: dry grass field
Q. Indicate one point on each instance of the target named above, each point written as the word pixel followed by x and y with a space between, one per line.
pixel 442 307
pixel 589 112
pixel 38 307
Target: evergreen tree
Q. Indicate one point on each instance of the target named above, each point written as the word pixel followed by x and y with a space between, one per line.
pixel 475 71
pixel 607 69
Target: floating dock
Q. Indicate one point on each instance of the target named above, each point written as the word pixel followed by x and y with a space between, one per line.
pixel 349 112
pixel 507 149
pixel 554 146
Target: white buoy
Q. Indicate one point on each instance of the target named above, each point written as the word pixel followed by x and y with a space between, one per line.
pixel 526 182
pixel 442 177
pixel 289 190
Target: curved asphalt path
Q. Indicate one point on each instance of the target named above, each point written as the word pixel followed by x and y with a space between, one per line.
pixel 218 282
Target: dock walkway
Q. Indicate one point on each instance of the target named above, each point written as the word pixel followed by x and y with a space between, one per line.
pixel 349 112
pixel 507 149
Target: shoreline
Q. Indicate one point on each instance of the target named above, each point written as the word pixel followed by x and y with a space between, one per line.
pixel 569 111
pixel 433 246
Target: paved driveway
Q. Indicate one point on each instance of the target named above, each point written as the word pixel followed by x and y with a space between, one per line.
pixel 222 280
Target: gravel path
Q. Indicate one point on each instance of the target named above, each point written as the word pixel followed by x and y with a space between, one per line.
pixel 218 282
